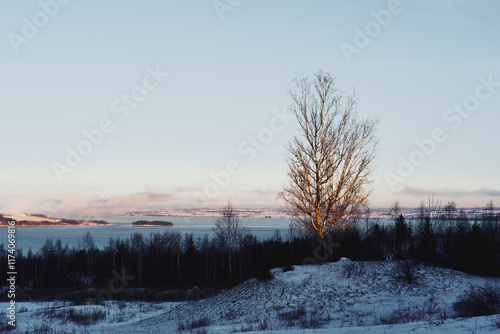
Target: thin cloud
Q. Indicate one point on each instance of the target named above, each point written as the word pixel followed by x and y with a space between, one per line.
pixel 445 192
pixel 69 204
pixel 264 192
pixel 135 199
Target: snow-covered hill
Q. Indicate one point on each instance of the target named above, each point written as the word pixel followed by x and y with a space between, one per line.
pixel 345 296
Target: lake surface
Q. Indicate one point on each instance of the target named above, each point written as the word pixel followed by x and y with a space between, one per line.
pixel 121 227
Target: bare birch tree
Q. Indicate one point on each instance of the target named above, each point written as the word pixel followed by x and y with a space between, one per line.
pixel 331 161
pixel 229 232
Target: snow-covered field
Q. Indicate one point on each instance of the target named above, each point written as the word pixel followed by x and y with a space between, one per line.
pixel 341 297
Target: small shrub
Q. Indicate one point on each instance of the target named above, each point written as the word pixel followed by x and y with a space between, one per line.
pixel 86 317
pixel 478 301
pixel 201 331
pixel 296 314
pixel 353 269
pixel 427 311
pixel 348 269
pixel 287 268
pixel 243 329
pixel 45 328
pixel 119 318
pixel 4 327
pixel 398 316
pixel 263 324
pixel 405 272
pixel 314 321
pixel 292 318
pixel 81 317
pixel 193 324
pixel 229 314
pixel 495 322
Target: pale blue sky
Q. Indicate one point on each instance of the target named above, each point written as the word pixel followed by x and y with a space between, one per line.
pixel 225 79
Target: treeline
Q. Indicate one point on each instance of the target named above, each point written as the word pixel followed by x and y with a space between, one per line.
pixel 170 260
pixel 164 260
pixel 448 237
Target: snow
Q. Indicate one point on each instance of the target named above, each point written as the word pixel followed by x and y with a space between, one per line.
pixel 341 297
pixel 32 315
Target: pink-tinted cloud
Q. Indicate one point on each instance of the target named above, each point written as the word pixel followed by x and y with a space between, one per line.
pixel 76 204
pixel 134 199
pixel 265 192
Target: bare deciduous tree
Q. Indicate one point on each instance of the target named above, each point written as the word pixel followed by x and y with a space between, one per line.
pixel 395 210
pixel 88 245
pixel 229 232
pixel 331 161
pixel 450 212
pixel 489 210
pixel 434 212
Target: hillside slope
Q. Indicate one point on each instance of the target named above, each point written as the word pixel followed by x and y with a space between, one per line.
pixel 332 295
pixel 340 297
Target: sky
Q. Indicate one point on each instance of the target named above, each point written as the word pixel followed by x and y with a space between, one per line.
pixel 115 106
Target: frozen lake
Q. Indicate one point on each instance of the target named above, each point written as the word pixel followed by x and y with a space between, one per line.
pixel 121 227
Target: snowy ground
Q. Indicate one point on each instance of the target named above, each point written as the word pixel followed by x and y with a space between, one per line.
pixel 341 297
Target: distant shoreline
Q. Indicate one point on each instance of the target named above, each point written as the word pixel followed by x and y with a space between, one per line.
pixel 30 224
pixel 42 220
